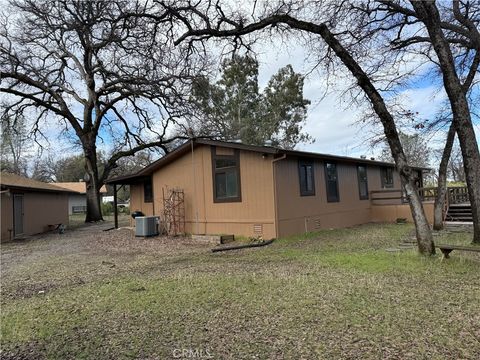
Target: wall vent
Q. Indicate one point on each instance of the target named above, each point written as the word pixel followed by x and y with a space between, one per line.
pixel 258 228
pixel 317 224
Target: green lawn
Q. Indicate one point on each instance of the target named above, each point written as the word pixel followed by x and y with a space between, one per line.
pixel 333 294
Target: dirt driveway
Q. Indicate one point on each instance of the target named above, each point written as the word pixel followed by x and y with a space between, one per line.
pixel 49 261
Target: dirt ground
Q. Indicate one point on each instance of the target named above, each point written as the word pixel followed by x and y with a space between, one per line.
pixel 80 255
pixel 334 294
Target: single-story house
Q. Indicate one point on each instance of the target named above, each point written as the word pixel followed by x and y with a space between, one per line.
pixel 77 200
pixel 30 207
pixel 234 188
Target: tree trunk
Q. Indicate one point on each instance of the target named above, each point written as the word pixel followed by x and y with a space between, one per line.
pixel 94 212
pixel 422 228
pixel 442 180
pixel 425 242
pixel 471 161
pixel 462 120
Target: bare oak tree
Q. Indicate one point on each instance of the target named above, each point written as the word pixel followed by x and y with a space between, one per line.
pixel 456 90
pixel 405 31
pixel 97 70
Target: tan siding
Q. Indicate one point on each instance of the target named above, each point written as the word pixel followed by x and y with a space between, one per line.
pixel 390 213
pixel 184 173
pixel 40 210
pixel 202 215
pixel 296 213
pixel 37 219
pixel 137 203
pixel 257 205
pixel 292 213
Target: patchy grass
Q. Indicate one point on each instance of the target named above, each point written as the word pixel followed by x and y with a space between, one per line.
pixel 331 294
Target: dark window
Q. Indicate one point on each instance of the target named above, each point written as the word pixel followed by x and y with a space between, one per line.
pixel 419 179
pixel 387 177
pixel 226 177
pixel 147 191
pixel 362 182
pixel 331 178
pixel 306 177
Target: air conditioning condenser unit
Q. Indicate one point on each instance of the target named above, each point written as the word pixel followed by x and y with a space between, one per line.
pixel 146 226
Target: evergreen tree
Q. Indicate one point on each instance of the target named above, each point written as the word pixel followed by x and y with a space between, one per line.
pixel 233 108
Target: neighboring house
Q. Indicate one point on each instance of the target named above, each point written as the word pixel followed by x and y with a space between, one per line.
pixel 30 207
pixel 233 188
pixel 77 201
pixel 110 199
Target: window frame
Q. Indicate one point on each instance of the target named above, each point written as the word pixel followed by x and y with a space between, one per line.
pixel 384 170
pixel 303 163
pixel 419 178
pixel 236 157
pixel 148 199
pixel 329 197
pixel 364 197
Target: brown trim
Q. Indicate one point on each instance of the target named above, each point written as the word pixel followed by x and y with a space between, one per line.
pixel 275 192
pixel 30 189
pixel 337 198
pixel 383 170
pixel 304 163
pixel 385 191
pixel 419 178
pixel 149 199
pixel 236 156
pixel 115 210
pixel 364 197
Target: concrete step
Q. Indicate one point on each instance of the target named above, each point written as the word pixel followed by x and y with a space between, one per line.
pixel 458 223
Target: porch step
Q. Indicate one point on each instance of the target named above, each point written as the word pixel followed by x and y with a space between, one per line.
pixel 459 218
pixel 458 226
pixel 459 213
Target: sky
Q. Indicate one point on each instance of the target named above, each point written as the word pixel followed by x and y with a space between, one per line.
pixel 331 119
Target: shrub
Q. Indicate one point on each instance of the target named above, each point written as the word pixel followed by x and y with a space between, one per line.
pixel 107 209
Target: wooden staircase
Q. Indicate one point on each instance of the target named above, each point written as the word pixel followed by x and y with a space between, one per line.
pixel 459 213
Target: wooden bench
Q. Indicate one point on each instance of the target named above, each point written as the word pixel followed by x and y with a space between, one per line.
pixel 447 249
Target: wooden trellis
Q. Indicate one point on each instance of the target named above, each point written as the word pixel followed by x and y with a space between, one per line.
pixel 174 211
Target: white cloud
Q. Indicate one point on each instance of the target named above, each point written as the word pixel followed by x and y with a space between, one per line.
pixel 329 121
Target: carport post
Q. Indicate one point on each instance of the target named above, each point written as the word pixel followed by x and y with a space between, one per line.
pixel 115 210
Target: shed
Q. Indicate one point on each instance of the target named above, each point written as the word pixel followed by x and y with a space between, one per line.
pixel 30 207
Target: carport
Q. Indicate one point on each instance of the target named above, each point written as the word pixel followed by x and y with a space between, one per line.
pixel 118 182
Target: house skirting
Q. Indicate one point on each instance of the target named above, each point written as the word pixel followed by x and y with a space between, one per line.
pixel 390 213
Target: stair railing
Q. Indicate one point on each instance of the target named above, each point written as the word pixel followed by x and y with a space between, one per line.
pixel 458 195
pixel 446 205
